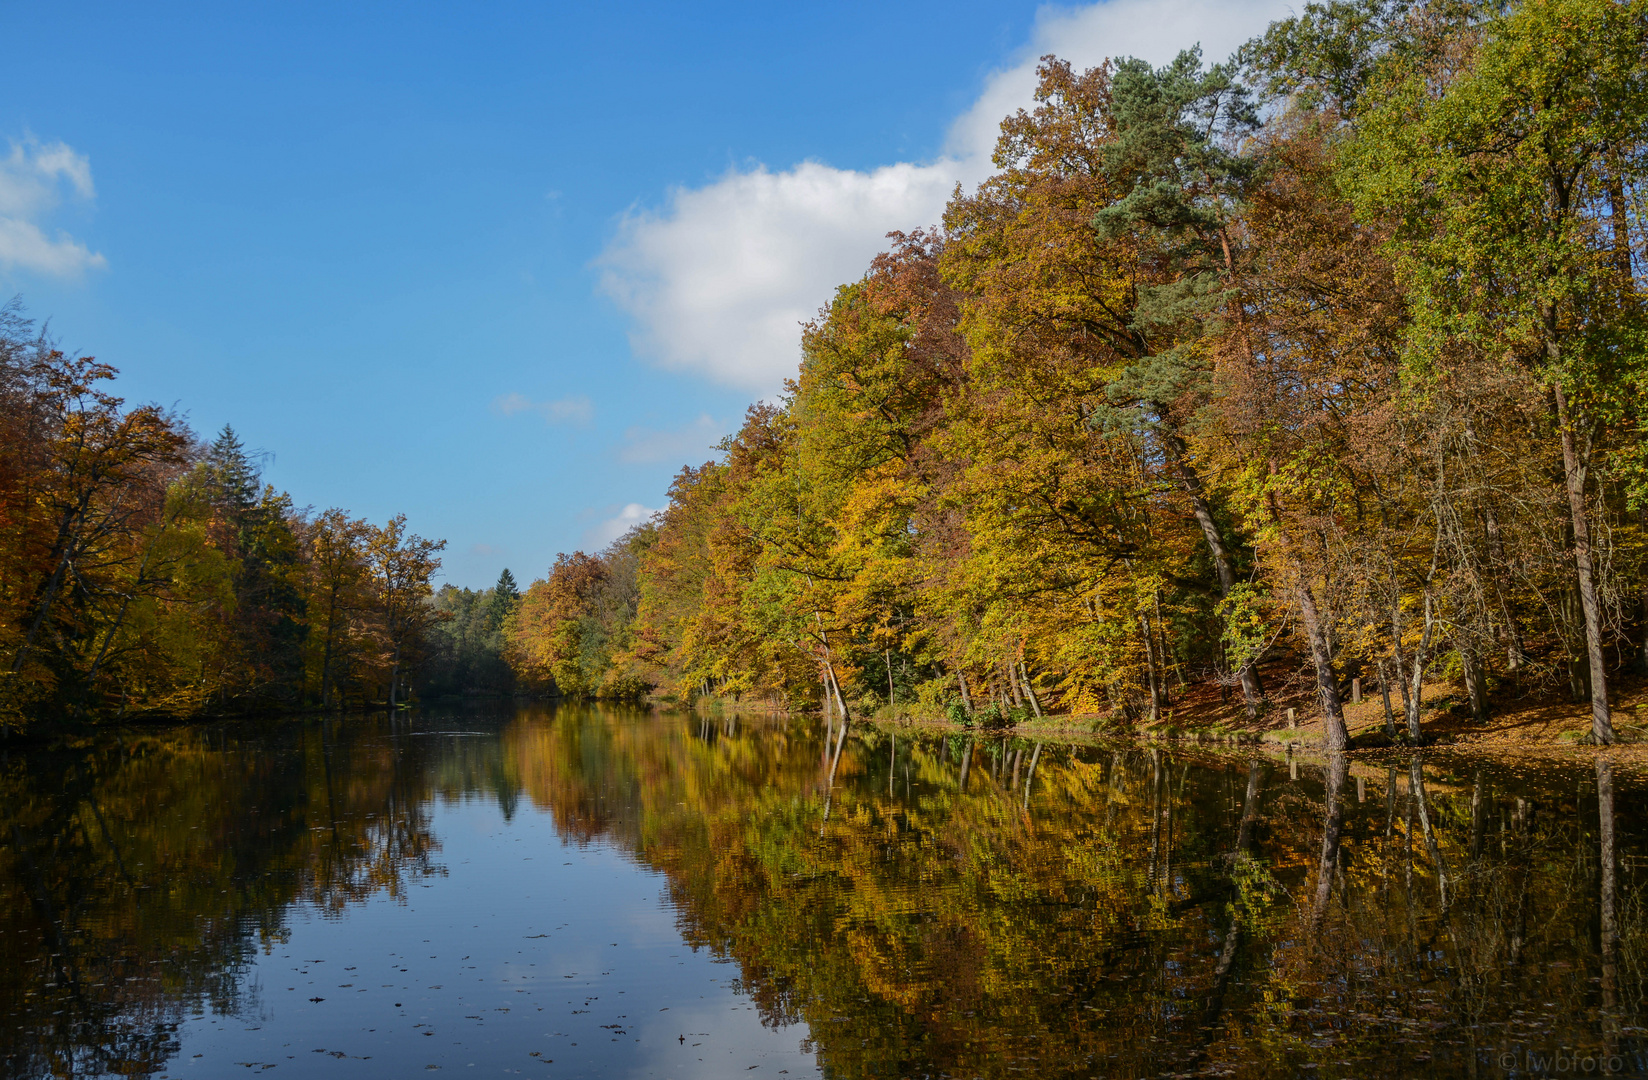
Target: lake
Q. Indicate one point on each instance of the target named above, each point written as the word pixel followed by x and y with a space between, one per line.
pixel 592 892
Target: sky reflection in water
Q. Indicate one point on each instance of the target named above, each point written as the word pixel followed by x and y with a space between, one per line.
pixel 608 893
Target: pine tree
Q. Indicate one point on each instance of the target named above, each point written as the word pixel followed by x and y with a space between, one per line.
pixel 505 595
pixel 234 477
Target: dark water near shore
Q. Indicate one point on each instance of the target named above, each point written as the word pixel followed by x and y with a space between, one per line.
pixel 605 893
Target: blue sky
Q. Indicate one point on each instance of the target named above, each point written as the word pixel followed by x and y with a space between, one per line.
pixel 502 267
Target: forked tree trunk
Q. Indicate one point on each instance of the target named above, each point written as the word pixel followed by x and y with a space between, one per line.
pixel 835 684
pixel 1413 687
pixel 1029 691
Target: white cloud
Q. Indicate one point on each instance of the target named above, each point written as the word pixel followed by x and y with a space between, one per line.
pixel 571 410
pixel 692 443
pixel 32 178
pixel 599 536
pixel 1153 30
pixel 720 278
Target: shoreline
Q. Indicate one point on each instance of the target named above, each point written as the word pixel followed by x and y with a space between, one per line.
pixel 1543 727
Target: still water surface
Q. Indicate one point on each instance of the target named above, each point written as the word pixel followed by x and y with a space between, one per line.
pixel 609 893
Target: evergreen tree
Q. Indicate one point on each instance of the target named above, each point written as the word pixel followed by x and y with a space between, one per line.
pixel 234 477
pixel 505 595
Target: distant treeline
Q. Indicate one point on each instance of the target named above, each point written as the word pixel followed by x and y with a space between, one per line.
pixel 1328 362
pixel 145 572
pixel 466 654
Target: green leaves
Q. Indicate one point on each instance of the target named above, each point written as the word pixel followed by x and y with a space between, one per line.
pixel 1245 614
pixel 1493 160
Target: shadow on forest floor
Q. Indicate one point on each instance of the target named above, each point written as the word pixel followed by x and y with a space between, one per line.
pixel 1543 721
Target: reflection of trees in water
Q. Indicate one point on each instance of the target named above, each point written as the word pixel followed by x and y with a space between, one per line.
pixel 968 905
pixel 139 875
pixel 980 906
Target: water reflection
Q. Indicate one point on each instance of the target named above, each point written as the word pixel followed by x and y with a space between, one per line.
pixel 908 905
pixel 143 871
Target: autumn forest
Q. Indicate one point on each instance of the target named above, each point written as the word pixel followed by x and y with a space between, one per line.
pixel 1324 364
pixel 1110 653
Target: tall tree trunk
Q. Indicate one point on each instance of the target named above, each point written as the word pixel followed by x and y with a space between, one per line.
pixel 1252 692
pixel 326 667
pixel 1327 688
pixel 1413 686
pixel 1476 690
pixel 1321 651
pixel 326 652
pixel 1413 690
pixel 1384 691
pixel 835 685
pixel 125 604
pixel 395 664
pixel 1162 649
pixel 62 556
pixel 1399 660
pixel 1516 652
pixel 1029 691
pixel 1150 671
pixel 829 665
pixel 1575 465
pixel 1644 651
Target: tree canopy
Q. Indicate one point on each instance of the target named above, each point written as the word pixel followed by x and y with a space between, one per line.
pixel 1321 364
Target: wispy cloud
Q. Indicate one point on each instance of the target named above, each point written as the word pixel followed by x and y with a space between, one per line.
pixel 570 410
pixel 33 178
pixel 718 280
pixel 688 444
pixel 627 517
